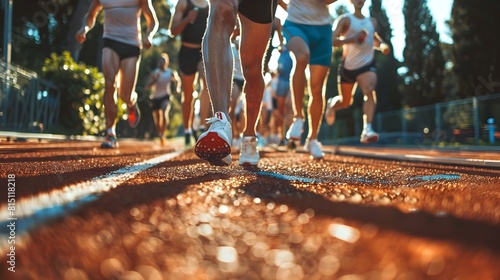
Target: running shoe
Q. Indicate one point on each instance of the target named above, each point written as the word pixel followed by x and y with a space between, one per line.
pixel 236 144
pixel 187 139
pixel 134 115
pixel 368 136
pixel 329 112
pixel 314 148
pixel 110 142
pixel 295 130
pixel 249 154
pixel 214 145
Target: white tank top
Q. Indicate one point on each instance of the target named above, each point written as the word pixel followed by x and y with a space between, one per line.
pixel 357 55
pixel 309 12
pixel 122 21
pixel 161 87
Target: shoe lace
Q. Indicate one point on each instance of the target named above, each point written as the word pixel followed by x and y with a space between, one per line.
pixel 216 123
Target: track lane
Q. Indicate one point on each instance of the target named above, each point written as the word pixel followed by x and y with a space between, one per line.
pixel 290 217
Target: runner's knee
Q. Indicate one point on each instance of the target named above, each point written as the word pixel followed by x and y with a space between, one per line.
pixel 224 11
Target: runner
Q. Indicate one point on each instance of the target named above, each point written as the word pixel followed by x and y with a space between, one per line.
pixel 160 81
pixel 308 31
pixel 358 37
pixel 121 54
pixel 190 21
pixel 256 18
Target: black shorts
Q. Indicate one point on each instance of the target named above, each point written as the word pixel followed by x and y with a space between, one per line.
pixel 189 59
pixel 259 11
pixel 121 49
pixel 349 76
pixel 239 83
pixel 160 103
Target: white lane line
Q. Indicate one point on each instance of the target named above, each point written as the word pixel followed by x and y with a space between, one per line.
pixel 422 158
pixel 77 194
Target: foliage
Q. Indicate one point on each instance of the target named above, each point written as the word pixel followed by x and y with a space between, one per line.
pixel 388 93
pixel 82 90
pixel 38 29
pixel 475 51
pixel 423 83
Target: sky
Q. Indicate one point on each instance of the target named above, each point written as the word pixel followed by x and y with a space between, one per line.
pixel 440 10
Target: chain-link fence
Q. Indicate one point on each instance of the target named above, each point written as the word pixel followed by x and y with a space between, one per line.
pixel 27 103
pixel 472 121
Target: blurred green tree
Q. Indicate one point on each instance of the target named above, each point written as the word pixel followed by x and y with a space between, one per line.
pixel 389 96
pixel 475 49
pixel 423 57
pixel 82 89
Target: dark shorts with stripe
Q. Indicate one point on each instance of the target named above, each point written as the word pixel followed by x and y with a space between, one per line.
pixel 121 49
pixel 259 11
pixel 160 103
pixel 189 59
pixel 349 76
pixel 239 82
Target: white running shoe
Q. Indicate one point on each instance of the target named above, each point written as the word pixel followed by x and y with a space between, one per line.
pixel 236 144
pixel 214 145
pixel 249 154
pixel 368 136
pixel 314 148
pixel 329 112
pixel 295 130
pixel 110 142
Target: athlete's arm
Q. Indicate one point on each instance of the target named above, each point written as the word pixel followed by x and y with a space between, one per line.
pixel 151 20
pixel 279 32
pixel 94 9
pixel 283 4
pixel 152 79
pixel 341 27
pixel 378 42
pixel 177 82
pixel 178 23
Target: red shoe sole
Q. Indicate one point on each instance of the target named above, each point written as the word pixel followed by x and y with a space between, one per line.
pixel 372 139
pixel 212 148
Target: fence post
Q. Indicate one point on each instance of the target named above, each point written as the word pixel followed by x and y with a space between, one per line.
pixel 491 130
pixel 403 123
pixel 475 108
pixel 379 122
pixel 437 107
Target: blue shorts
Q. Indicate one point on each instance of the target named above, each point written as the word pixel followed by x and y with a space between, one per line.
pixel 283 87
pixel 317 37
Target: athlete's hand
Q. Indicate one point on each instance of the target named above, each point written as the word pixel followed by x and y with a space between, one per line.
pixel 384 49
pixel 362 35
pixel 81 35
pixel 146 42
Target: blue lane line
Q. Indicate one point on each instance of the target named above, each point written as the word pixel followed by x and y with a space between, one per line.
pixel 437 177
pixel 288 177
